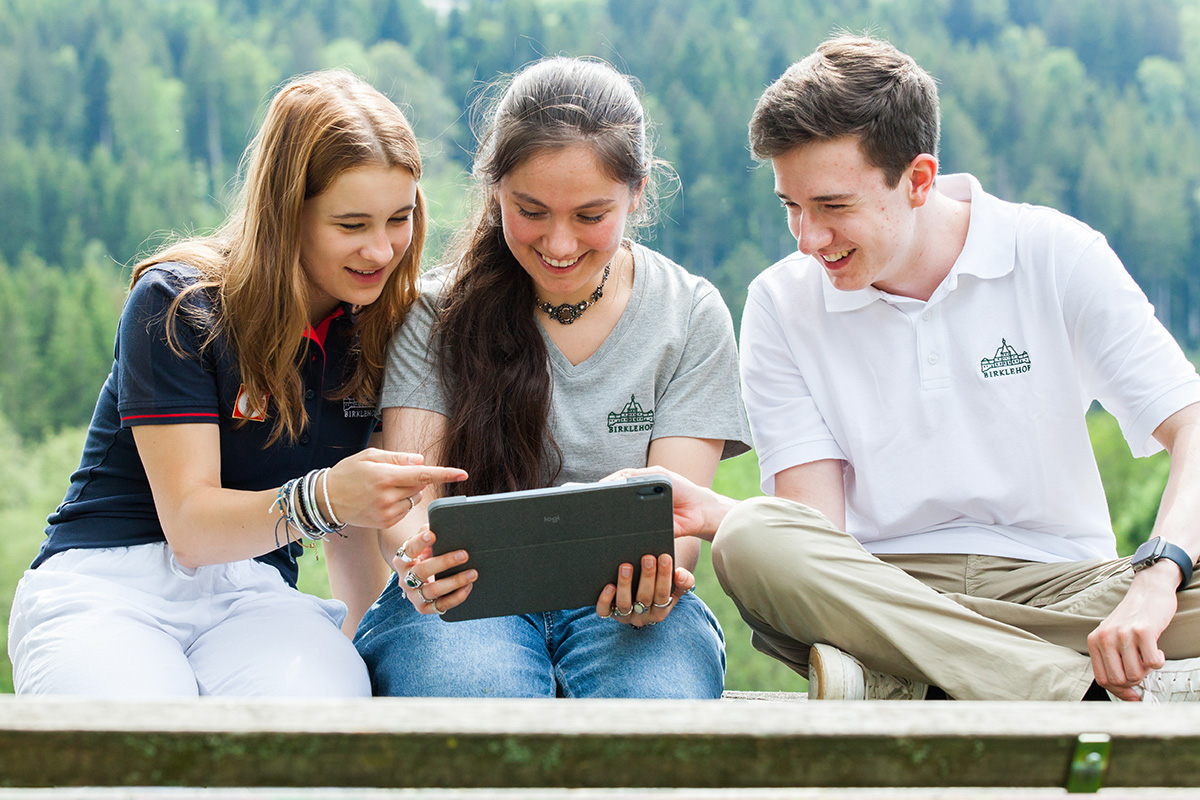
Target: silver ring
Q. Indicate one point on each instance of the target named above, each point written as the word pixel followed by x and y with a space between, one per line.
pixel 412 581
pixel 616 612
pixel 663 605
pixel 435 607
pixel 425 599
pixel 638 607
pixel 402 554
pixel 412 503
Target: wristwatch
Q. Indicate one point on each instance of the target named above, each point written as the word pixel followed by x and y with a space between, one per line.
pixel 1154 550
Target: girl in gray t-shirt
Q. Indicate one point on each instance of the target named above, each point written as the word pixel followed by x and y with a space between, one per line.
pixel 555 350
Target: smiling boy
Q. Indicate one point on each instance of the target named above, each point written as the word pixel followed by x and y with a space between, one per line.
pixel 916 377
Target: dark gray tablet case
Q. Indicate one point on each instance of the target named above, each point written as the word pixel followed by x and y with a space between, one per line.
pixel 552 549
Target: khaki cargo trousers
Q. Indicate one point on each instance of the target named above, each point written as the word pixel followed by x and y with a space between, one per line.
pixel 979 627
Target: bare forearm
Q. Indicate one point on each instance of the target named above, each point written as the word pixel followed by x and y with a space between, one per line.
pixel 210 525
pixel 687 553
pixel 206 523
pixel 1124 647
pixel 1179 510
pixel 357 575
pixel 714 509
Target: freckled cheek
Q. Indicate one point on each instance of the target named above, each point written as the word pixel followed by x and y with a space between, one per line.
pixel 895 221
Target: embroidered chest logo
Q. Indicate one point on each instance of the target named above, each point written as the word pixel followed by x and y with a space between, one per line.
pixel 245 409
pixel 357 408
pixel 630 419
pixel 1007 361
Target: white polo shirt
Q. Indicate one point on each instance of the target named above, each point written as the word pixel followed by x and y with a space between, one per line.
pixel 961 419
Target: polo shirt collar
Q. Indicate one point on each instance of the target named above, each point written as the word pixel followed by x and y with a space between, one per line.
pixel 989 252
pixel 317 334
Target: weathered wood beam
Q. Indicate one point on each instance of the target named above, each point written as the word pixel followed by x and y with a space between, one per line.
pixel 584 743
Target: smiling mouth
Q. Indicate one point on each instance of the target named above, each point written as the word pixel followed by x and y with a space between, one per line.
pixel 363 271
pixel 833 258
pixel 559 264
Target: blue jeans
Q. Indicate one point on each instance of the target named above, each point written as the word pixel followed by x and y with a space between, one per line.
pixel 570 653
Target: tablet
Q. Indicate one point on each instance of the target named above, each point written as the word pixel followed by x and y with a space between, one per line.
pixel 552 549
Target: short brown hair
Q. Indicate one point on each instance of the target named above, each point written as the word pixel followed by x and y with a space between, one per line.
pixel 851 86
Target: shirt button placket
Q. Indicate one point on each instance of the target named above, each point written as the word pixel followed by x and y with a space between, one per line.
pixel 932 349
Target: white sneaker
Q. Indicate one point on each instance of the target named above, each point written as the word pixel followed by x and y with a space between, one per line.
pixel 1176 682
pixel 834 675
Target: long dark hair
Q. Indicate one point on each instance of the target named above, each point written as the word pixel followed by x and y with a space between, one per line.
pixel 494 366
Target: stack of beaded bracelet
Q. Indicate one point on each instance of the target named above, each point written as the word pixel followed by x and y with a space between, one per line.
pixel 297 503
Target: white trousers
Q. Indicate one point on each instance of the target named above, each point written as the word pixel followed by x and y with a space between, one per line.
pixel 131 622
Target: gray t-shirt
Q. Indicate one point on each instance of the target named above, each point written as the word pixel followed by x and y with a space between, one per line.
pixel 669 368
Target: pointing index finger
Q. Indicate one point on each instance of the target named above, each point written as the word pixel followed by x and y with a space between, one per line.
pixel 440 475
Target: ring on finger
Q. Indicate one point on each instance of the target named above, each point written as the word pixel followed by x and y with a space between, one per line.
pixel 412 581
pixel 439 611
pixel 424 599
pixel 638 607
pixel 670 600
pixel 616 612
pixel 403 555
pixel 412 502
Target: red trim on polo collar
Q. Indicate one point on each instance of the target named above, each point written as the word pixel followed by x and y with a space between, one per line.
pixel 318 333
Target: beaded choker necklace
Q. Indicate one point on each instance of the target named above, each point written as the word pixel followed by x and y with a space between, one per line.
pixel 567 313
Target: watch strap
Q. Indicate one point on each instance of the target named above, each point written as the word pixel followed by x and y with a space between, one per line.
pixel 1182 560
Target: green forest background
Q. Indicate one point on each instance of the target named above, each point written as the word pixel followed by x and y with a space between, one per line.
pixel 122 121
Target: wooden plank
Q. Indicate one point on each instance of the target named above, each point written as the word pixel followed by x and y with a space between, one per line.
pixel 954 793
pixel 584 743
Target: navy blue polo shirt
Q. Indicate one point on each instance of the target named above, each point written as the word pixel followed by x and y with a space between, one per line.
pixel 109 503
